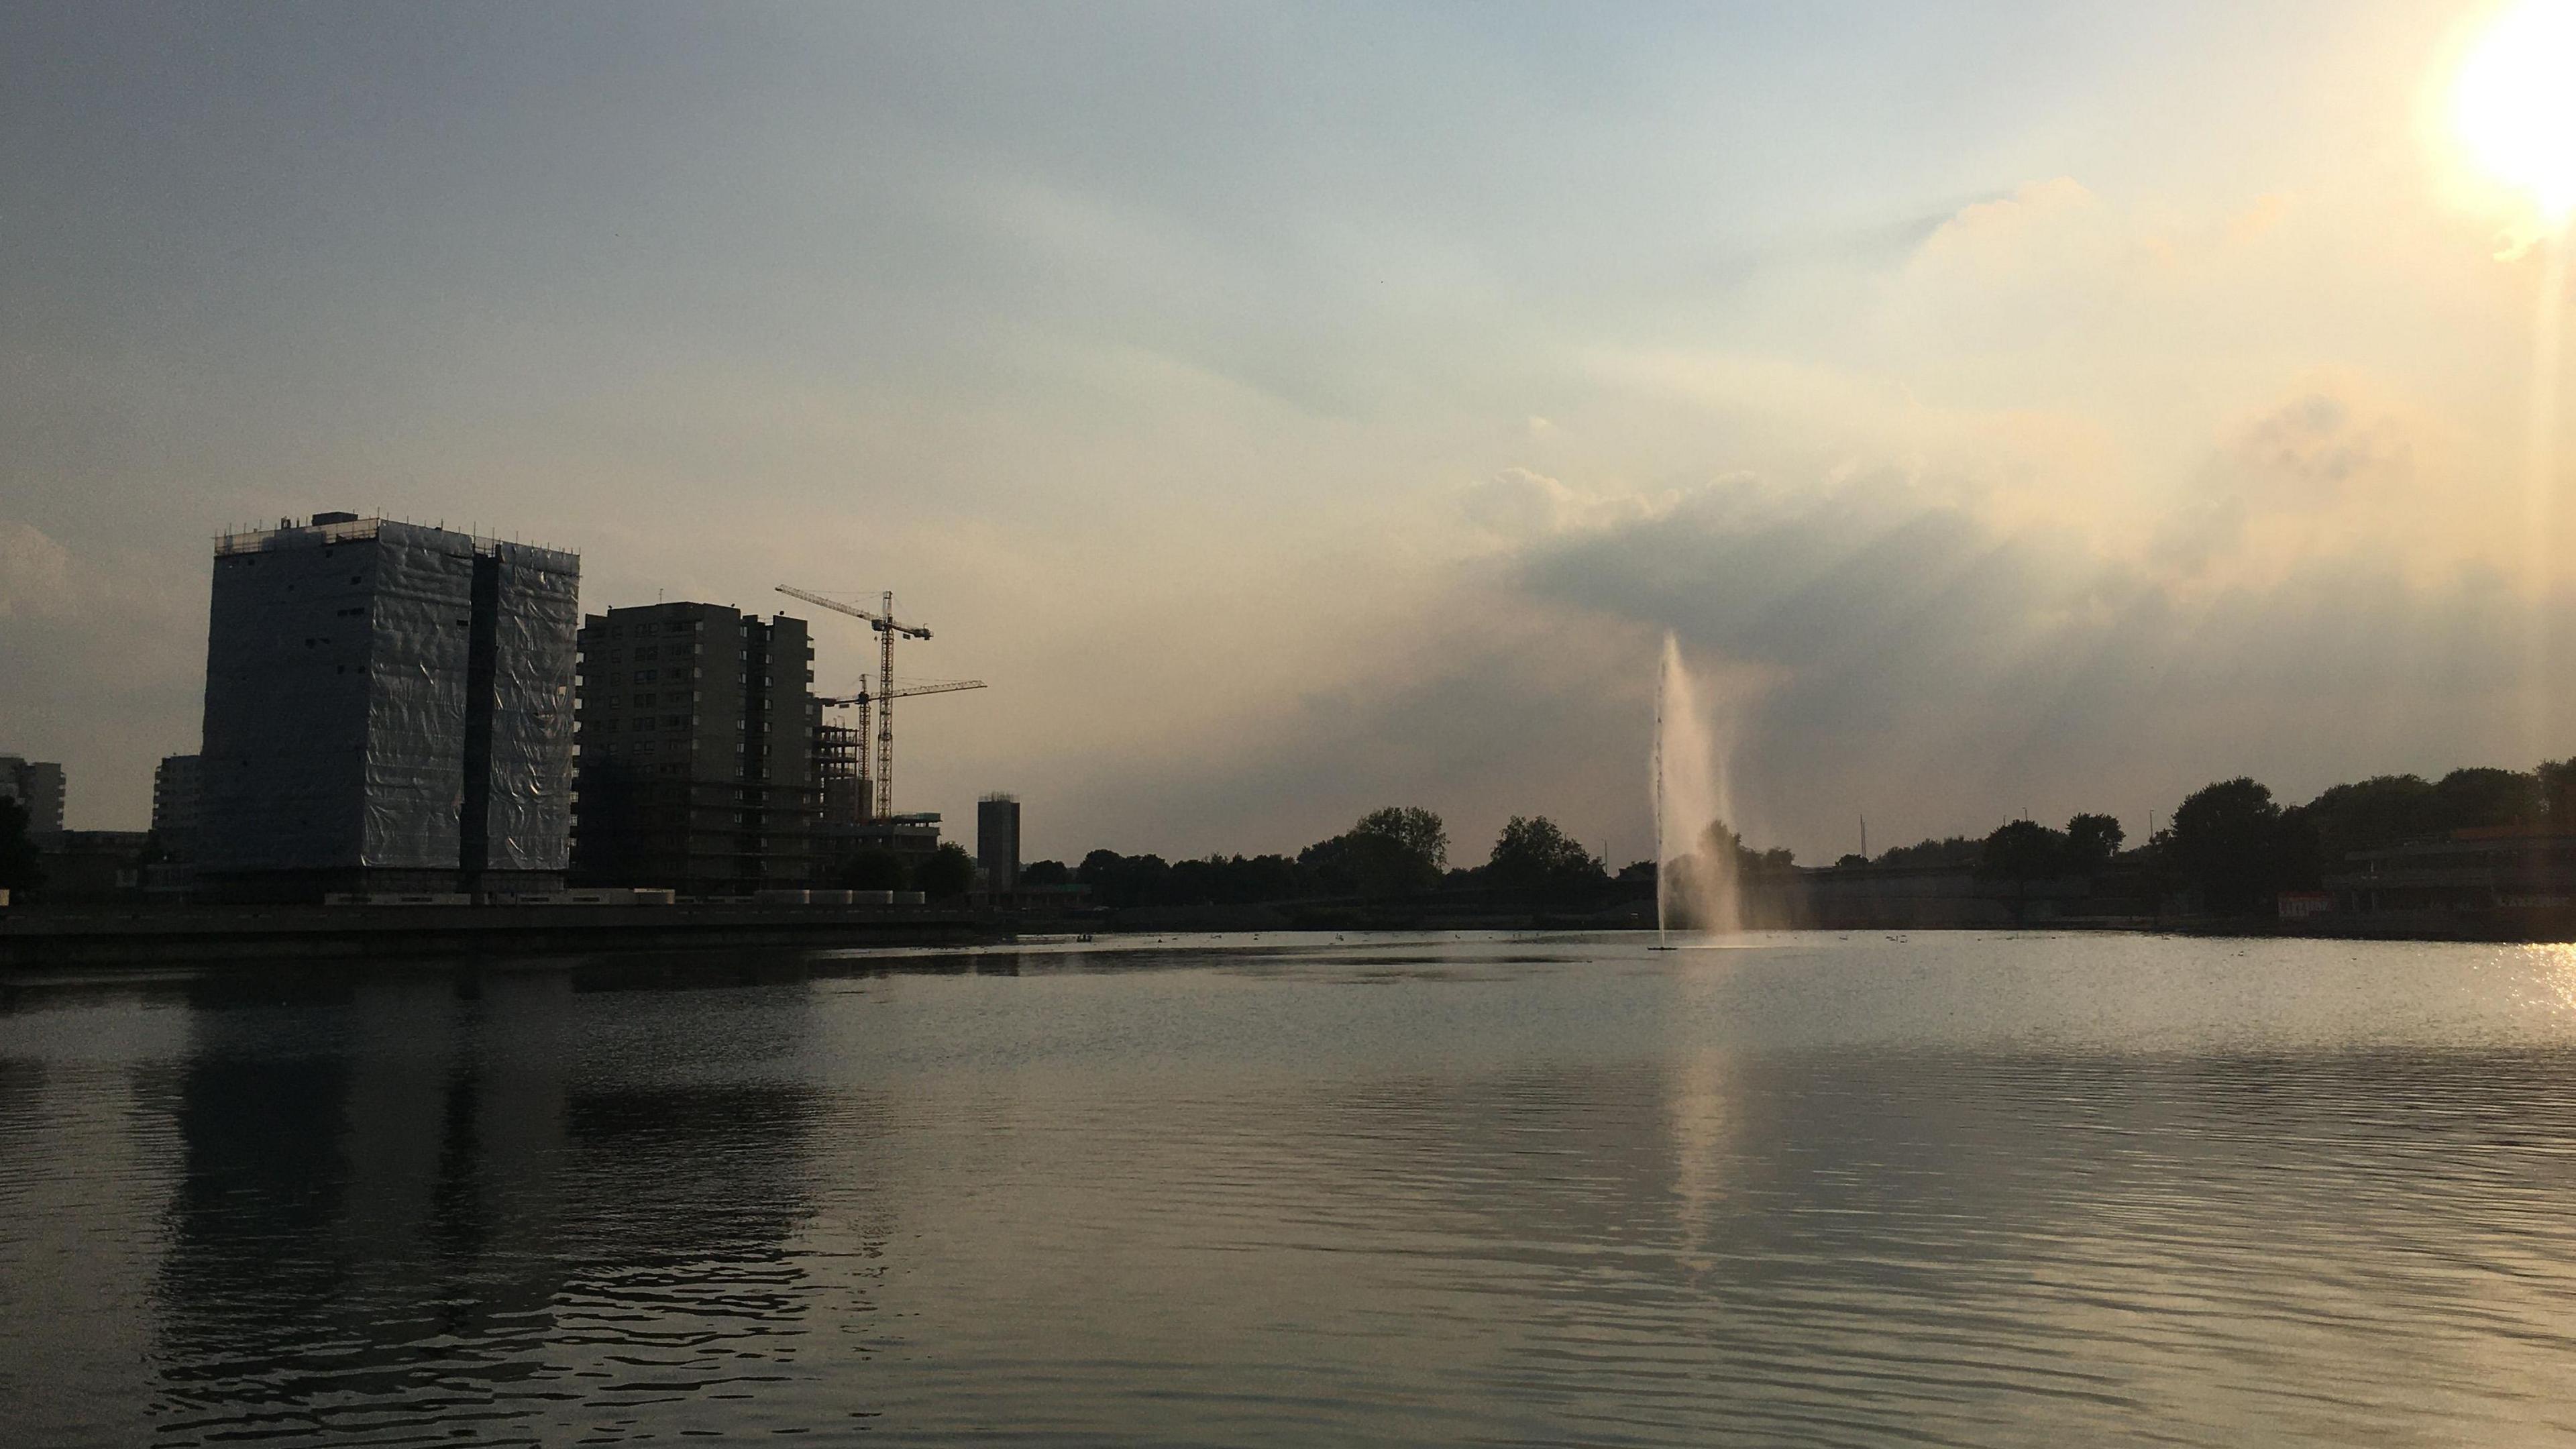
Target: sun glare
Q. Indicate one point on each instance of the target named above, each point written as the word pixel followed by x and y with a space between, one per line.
pixel 2514 103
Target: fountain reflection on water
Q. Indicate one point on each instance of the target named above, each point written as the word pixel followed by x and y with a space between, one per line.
pixel 1697 882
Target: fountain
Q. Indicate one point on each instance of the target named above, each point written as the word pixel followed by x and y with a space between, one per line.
pixel 1696 884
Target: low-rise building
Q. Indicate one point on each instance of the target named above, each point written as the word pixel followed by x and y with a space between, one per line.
pixel 92 867
pixel 37 786
pixel 2488 869
pixel 178 796
pixel 910 839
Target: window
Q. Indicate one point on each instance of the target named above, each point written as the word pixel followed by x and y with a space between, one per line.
pixel 675 721
pixel 641 675
pixel 645 652
pixel 643 701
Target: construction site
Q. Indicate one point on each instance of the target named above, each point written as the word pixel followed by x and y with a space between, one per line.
pixel 709 765
pixel 403 718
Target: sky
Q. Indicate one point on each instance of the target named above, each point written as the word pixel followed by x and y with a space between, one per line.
pixel 1290 410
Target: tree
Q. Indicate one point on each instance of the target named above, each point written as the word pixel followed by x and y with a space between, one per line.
pixel 1394 851
pixel 2369 814
pixel 2022 851
pixel 1957 850
pixel 1533 854
pixel 2483 796
pixel 2226 843
pixel 1352 865
pixel 2557 782
pixel 1125 880
pixel 874 869
pixel 1412 829
pixel 1045 873
pixel 21 869
pixel 2091 841
pixel 948 873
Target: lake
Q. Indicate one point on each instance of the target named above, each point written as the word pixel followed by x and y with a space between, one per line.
pixel 1481 1189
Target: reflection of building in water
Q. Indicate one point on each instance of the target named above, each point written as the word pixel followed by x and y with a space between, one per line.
pixel 449 1180
pixel 83 1176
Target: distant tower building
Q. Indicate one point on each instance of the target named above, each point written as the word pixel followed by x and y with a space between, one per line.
pixel 997 842
pixel 37 785
pixel 388 708
pixel 697 761
pixel 178 787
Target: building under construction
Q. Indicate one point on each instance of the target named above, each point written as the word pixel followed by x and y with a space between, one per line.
pixel 850 827
pixel 699 764
pixel 388 709
pixel 854 769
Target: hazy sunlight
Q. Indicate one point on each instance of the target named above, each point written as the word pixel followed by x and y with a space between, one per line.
pixel 2514 105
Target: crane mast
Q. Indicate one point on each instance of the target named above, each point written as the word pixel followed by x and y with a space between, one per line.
pixel 864 701
pixel 884 625
pixel 887 627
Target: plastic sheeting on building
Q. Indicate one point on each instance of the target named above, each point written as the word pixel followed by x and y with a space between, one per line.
pixel 536 618
pixel 339 706
pixel 413 755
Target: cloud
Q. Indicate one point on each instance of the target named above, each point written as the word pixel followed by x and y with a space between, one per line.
pixel 35 573
pixel 2317 444
pixel 1519 504
pixel 1490 703
pixel 1920 659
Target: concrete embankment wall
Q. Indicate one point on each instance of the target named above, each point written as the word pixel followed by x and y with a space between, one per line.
pixel 40 939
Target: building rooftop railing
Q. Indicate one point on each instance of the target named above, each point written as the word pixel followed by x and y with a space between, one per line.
pixel 340 528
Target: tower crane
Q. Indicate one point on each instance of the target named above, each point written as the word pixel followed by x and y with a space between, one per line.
pixel 862 700
pixel 887 627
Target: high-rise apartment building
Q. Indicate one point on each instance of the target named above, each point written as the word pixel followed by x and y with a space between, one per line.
pixel 389 707
pixel 37 786
pixel 697 760
pixel 178 789
pixel 997 842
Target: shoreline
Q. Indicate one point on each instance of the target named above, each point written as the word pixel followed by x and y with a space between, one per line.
pixel 47 939
pixel 42 939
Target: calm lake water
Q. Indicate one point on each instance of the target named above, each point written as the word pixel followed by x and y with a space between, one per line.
pixel 1818 1189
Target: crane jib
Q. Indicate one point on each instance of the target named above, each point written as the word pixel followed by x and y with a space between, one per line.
pixel 888 628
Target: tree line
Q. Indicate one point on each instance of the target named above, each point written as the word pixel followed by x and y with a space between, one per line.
pixel 2239 848
pixel 2236 848
pixel 1400 850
